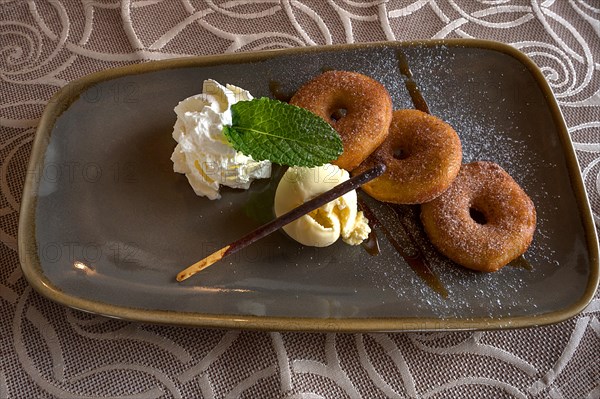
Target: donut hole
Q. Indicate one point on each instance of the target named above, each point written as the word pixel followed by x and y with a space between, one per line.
pixel 338 114
pixel 478 216
pixel 400 153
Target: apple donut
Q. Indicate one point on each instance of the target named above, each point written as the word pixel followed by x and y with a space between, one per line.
pixel 358 107
pixel 423 155
pixel 483 221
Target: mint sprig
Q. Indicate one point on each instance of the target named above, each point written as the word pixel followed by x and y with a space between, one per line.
pixel 267 129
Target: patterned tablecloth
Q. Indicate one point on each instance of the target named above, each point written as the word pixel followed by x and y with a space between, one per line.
pixel 48 350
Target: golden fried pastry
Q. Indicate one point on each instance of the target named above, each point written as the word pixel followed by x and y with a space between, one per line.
pixel 483 221
pixel 358 107
pixel 423 155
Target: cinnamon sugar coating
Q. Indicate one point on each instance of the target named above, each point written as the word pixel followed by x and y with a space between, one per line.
pixel 483 221
pixel 358 107
pixel 423 155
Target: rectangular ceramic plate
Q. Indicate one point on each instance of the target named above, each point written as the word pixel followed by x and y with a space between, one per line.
pixel 106 224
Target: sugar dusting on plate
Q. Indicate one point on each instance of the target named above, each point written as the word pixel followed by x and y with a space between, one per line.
pixel 470 293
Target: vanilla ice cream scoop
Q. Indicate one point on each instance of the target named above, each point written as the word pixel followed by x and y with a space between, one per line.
pixel 323 226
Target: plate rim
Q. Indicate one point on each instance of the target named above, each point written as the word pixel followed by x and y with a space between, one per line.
pixel 61 101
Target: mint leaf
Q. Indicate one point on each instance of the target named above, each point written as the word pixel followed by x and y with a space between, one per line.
pixel 267 129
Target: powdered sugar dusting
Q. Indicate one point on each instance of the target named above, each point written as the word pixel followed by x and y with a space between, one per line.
pixel 493 129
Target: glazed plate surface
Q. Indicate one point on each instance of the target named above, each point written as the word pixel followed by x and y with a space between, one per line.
pixel 106 224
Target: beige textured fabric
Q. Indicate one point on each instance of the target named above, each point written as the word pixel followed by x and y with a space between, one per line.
pixel 47 350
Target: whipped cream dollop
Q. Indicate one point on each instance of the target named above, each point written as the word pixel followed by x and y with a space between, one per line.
pixel 323 226
pixel 203 153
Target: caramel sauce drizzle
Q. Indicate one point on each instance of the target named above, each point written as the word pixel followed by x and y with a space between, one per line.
pixel 411 86
pixel 371 244
pixel 416 261
pixel 278 93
